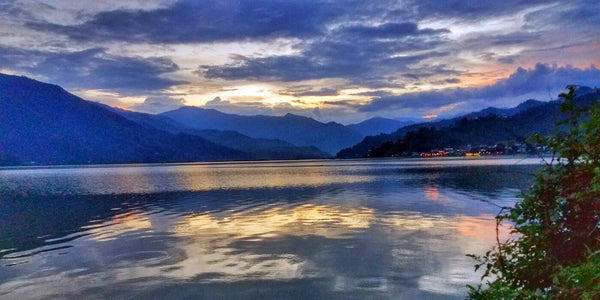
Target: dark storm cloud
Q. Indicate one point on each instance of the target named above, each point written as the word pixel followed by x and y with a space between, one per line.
pixel 374 94
pixel 543 77
pixel 360 52
pixel 452 80
pixel 388 30
pixel 414 100
pixel 361 59
pixel 507 59
pixel 308 90
pixel 540 79
pixel 376 44
pixel 203 21
pixel 343 103
pixel 430 70
pixel 17 58
pixel 12 10
pixel 367 54
pixel 320 92
pixel 94 69
pixel 471 10
pixel 514 38
pixel 369 71
pixel 571 16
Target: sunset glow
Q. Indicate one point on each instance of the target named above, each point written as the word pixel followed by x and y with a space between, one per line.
pixel 313 59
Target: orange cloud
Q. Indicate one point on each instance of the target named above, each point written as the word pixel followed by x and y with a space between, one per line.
pixel 429 116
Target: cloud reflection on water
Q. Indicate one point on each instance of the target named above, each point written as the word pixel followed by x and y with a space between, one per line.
pixel 213 247
pixel 402 233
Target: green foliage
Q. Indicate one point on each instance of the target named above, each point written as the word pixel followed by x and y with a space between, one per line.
pixel 554 252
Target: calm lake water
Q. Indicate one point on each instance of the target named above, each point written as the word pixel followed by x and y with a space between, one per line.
pixel 360 229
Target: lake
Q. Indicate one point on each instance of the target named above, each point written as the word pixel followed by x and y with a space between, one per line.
pixel 313 229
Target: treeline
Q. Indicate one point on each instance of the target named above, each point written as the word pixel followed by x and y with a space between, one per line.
pixel 489 130
pixel 483 130
pixel 554 248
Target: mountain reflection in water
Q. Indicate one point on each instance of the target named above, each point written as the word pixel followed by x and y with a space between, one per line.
pixel 301 229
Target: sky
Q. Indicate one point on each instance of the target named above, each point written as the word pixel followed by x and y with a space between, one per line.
pixel 333 60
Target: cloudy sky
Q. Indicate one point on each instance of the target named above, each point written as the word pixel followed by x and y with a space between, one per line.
pixel 335 60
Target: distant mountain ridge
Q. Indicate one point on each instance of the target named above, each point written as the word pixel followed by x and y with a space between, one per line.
pixel 44 124
pixel 297 130
pixel 378 125
pixel 261 148
pixel 505 112
pixel 488 125
pixel 255 148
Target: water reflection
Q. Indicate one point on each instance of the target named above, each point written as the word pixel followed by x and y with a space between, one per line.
pixel 432 193
pixel 170 178
pixel 353 229
pixel 118 226
pixel 323 220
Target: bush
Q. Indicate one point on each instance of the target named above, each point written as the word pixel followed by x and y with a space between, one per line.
pixel 554 251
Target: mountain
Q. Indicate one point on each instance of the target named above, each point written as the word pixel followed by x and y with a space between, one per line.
pixel 261 148
pixel 505 112
pixel 378 125
pixel 362 149
pixel 297 130
pixel 148 120
pixel 44 124
pixel 255 148
pixel 475 128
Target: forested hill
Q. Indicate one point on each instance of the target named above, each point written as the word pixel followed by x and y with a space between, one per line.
pixel 254 148
pixel 42 123
pixel 297 130
pixel 378 125
pixel 471 129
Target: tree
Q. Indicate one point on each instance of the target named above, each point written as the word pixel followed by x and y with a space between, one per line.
pixel 554 251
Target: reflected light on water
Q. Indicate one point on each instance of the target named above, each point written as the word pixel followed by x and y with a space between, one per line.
pixel 207 246
pixel 172 177
pixel 343 230
pixel 474 235
pixel 119 225
pixel 432 193
pixel 324 220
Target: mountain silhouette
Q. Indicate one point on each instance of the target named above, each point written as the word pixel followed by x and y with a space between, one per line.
pixel 297 130
pixel 505 112
pixel 255 148
pixel 44 124
pixel 378 125
pixel 487 126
